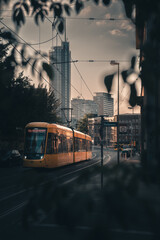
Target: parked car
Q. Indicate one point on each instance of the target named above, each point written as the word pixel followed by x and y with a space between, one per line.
pixel 10 158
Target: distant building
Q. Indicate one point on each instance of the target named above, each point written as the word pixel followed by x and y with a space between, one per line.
pixel 94 131
pixel 105 103
pixel 60 59
pixel 129 129
pixel 81 107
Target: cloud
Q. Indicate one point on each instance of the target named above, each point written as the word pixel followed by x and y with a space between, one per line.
pixel 116 32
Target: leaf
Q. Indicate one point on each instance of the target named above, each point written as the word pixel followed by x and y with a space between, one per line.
pixel 34 66
pixel 40 76
pixel 8 36
pixel 36 18
pixel 61 27
pixel 26 7
pixel 108 82
pixel 67 9
pixel 24 63
pixel 96 2
pixel 18 16
pixel 17 4
pixel 48 69
pixel 133 95
pixel 133 62
pixel 128 5
pixel 124 75
pixel 57 10
pixel 78 6
pixel 106 2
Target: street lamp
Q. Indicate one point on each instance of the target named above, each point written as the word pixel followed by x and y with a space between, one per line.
pixel 113 62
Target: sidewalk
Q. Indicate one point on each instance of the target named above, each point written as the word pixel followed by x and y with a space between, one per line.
pixel 133 160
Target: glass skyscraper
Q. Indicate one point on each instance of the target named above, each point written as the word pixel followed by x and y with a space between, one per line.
pixel 60 57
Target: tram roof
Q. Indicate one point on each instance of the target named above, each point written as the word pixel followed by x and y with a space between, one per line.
pixel 46 125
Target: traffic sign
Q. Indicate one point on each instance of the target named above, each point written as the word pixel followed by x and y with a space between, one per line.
pixel 110 124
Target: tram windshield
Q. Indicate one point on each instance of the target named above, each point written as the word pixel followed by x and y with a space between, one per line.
pixel 35 143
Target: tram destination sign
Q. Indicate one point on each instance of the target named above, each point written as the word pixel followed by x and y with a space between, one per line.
pixel 110 124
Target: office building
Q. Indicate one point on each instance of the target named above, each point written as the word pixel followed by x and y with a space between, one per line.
pixel 105 103
pixel 81 107
pixel 129 129
pixel 60 57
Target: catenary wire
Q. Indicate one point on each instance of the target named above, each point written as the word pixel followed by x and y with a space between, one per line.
pixel 39 72
pixel 39 54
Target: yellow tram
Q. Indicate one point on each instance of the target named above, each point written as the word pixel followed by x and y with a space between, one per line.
pixel 52 145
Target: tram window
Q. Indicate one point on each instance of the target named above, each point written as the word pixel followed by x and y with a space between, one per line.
pixel 89 146
pixel 50 143
pixel 70 144
pixel 80 145
pixel 76 145
pixel 84 144
pixel 64 144
pixel 60 149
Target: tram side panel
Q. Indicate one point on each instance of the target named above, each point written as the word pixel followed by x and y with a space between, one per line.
pixel 61 144
pixel 80 147
pixel 89 147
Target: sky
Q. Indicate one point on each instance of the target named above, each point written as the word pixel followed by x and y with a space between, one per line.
pixel 96 40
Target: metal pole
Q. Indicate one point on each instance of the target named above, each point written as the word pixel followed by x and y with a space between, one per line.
pixel 102 125
pixel 113 62
pixel 118 120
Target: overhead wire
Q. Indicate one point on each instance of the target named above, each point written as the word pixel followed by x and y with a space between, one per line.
pixel 33 66
pixel 38 52
pixel 72 60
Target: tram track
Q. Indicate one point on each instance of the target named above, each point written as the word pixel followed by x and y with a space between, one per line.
pixel 13 201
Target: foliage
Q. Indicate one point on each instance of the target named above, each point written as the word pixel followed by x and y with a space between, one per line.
pixel 18 49
pixel 83 123
pixel 127 201
pixel 125 74
pixel 125 193
pixel 21 103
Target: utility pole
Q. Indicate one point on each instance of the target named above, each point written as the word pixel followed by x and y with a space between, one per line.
pixel 101 133
pixel 113 62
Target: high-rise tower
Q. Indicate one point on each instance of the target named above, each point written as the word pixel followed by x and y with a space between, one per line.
pixel 105 103
pixel 60 57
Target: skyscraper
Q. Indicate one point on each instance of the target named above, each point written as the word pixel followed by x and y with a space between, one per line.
pixel 105 103
pixel 60 57
pixel 81 107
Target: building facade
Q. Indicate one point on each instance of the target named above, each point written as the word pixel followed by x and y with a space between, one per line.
pixel 94 130
pixel 60 57
pixel 105 103
pixel 129 130
pixel 81 107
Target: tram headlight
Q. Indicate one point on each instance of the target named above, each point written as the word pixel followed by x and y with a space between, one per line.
pixel 41 156
pixel 25 157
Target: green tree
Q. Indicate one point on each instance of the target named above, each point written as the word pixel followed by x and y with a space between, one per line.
pixel 21 103
pixel 83 123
